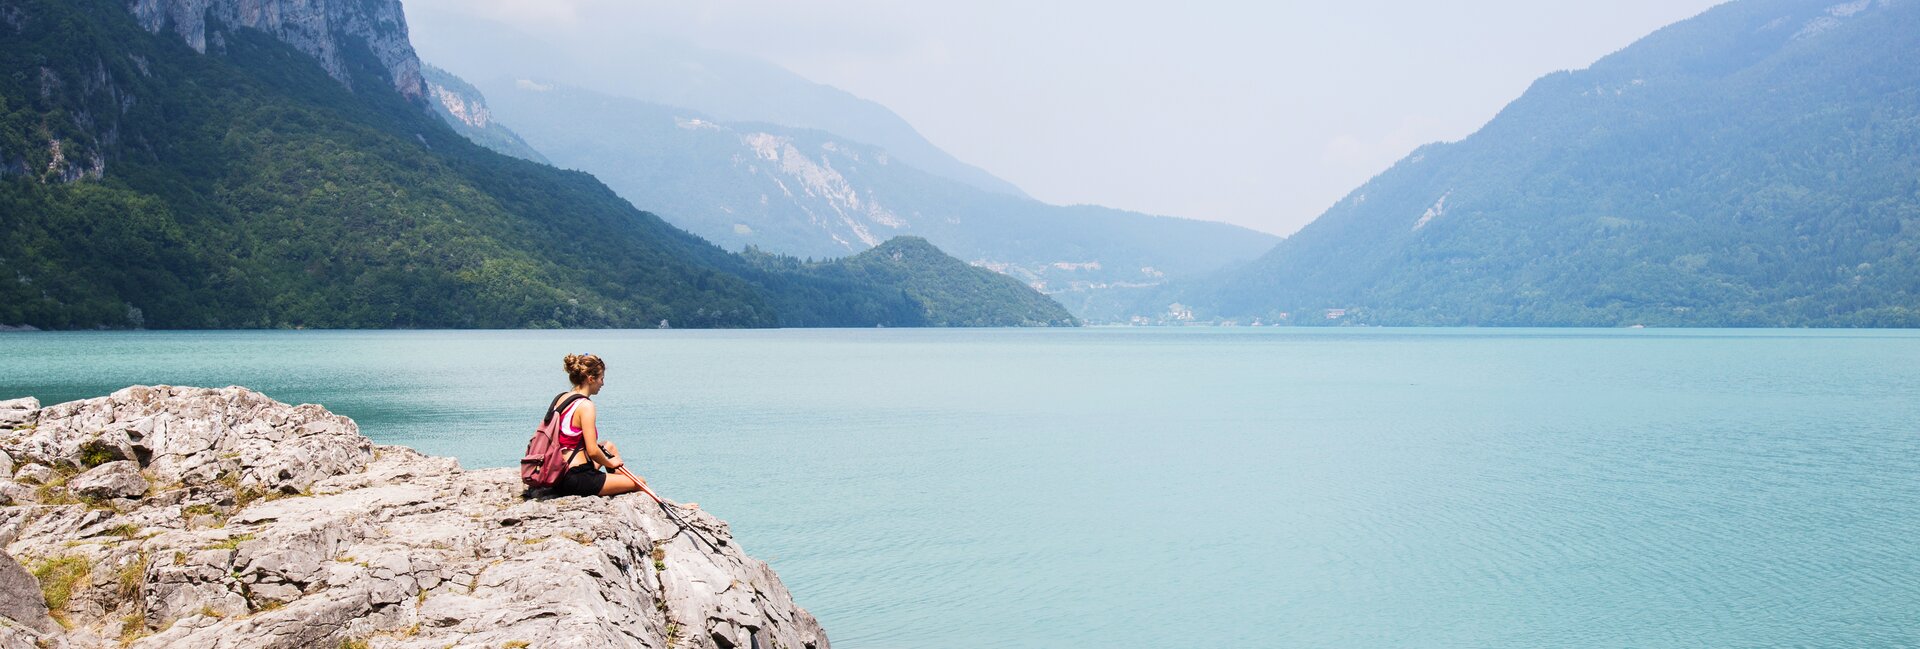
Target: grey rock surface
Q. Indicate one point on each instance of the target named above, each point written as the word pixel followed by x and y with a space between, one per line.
pixel 12 492
pixel 16 413
pixel 321 28
pixel 33 474
pixel 119 479
pixel 20 597
pixel 269 525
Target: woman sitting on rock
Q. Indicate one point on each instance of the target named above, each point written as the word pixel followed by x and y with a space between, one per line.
pixel 580 433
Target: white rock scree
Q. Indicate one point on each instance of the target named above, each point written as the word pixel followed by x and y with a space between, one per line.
pixel 194 517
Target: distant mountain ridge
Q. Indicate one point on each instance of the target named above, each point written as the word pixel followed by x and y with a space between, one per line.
pixel 462 107
pixel 158 172
pixel 812 193
pixel 727 87
pixel 950 292
pixel 1756 165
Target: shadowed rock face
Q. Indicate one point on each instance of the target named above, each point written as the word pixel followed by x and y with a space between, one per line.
pixel 268 525
pixel 318 27
pixel 21 603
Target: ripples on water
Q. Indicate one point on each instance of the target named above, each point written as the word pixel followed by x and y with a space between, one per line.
pixel 1172 488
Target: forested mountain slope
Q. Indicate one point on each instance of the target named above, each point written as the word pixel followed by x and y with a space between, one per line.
pixel 1757 165
pixel 292 176
pixel 948 292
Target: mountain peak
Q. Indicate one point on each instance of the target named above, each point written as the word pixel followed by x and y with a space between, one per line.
pixel 1750 166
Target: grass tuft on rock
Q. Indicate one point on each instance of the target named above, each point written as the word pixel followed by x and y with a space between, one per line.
pixel 231 542
pixel 55 493
pixel 58 578
pixel 94 454
pixel 132 575
pixel 54 490
pixel 245 496
pixel 132 627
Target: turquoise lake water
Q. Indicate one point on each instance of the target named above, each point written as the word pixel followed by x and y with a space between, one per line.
pixel 1198 487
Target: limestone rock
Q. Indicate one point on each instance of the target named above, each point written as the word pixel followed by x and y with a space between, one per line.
pixel 197 436
pixel 20 599
pixel 13 636
pixel 324 29
pixel 14 493
pixel 269 525
pixel 6 464
pixel 34 474
pixel 18 413
pixel 111 480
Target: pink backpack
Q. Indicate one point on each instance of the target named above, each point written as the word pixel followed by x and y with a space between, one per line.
pixel 546 460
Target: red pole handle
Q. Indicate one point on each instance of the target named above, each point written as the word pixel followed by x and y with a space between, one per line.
pixel 643 485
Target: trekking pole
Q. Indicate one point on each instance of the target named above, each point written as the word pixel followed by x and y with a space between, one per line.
pixel 677 520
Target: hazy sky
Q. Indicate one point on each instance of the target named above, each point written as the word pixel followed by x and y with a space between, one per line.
pixel 1255 113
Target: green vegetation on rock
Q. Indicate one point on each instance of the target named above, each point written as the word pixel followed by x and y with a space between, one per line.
pixel 58 576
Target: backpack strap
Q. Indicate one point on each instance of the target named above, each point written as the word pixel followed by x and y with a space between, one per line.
pixel 559 406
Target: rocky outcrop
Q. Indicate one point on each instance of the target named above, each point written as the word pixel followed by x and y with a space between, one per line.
pixel 321 28
pixel 20 600
pixel 15 413
pixel 120 479
pixel 463 108
pixel 258 524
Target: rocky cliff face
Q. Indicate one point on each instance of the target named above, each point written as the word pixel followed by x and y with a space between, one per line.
pixel 322 28
pixel 193 517
pixel 463 108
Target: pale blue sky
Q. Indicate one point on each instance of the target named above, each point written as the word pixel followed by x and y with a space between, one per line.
pixel 1255 113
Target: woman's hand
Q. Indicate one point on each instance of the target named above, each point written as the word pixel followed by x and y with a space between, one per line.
pixel 610 456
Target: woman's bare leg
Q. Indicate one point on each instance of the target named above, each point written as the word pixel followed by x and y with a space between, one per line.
pixel 618 483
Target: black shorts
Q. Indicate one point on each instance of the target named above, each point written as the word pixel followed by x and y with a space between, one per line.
pixel 583 480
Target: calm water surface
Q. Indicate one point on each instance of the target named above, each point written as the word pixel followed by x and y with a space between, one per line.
pixel 1186 488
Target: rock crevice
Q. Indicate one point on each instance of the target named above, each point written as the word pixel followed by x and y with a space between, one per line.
pixel 193 517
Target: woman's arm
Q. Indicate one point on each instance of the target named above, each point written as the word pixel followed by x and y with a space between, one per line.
pixel 590 436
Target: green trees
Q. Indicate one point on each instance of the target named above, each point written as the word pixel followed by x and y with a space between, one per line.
pixel 903 282
pixel 246 188
pixel 1758 165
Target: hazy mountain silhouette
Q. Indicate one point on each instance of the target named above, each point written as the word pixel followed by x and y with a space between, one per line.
pixel 1758 164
